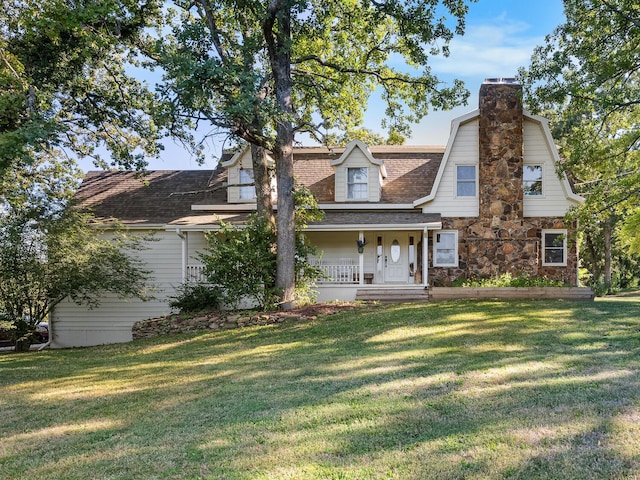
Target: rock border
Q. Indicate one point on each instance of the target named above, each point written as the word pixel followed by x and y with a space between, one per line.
pixel 567 293
pixel 227 320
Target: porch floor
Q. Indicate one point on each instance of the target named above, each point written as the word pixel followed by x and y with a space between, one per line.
pixel 392 293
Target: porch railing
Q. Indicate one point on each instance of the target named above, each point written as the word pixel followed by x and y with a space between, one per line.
pixel 195 274
pixel 341 272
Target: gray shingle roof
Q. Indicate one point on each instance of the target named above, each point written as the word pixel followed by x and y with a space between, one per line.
pixel 165 196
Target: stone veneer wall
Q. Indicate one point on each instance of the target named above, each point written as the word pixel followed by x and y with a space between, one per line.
pixel 500 153
pixel 513 248
pixel 501 240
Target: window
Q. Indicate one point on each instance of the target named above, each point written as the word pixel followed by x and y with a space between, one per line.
pixel 357 184
pixel 247 192
pixel 554 247
pixel 532 179
pixel 445 249
pixel 466 181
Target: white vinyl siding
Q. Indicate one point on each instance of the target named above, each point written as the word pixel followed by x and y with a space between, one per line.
pixel 538 152
pixel 333 246
pixel 445 248
pixel 111 322
pixel 464 151
pixel 554 248
pixel 197 244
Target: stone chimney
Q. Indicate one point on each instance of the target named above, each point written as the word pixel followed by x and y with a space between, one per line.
pixel 500 152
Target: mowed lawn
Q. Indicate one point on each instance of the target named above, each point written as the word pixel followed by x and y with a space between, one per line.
pixel 454 390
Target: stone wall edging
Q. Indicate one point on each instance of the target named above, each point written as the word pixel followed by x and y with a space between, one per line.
pixel 178 323
pixel 567 293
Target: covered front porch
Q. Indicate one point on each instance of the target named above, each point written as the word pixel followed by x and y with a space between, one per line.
pixel 372 251
pixel 363 251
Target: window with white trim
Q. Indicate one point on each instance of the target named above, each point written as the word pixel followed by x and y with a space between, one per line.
pixel 445 248
pixel 532 180
pixel 465 180
pixel 247 192
pixel 357 183
pixel 554 247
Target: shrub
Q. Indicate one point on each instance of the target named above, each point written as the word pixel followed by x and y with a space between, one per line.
pixel 243 261
pixel 195 297
pixel 508 280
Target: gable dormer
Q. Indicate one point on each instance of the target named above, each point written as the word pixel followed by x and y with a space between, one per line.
pixel 359 176
pixel 240 177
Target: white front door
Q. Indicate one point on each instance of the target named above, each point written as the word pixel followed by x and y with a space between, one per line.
pixel 395 259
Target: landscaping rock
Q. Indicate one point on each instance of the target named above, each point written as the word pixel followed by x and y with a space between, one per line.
pixel 215 320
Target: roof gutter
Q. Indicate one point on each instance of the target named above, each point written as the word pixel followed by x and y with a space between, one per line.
pixel 375 227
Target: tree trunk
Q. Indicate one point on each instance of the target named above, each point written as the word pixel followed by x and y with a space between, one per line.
pixel 607 253
pixel 262 180
pixel 595 265
pixel 277 31
pixel 285 275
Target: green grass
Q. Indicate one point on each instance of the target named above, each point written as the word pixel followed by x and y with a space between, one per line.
pixel 454 390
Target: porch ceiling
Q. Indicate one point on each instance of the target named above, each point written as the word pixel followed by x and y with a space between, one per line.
pixel 372 220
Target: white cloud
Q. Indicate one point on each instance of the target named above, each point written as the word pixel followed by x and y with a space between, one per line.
pixel 489 50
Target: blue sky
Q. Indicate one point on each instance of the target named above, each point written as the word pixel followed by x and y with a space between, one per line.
pixel 500 37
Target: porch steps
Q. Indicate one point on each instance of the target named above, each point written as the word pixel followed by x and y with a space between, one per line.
pixel 392 294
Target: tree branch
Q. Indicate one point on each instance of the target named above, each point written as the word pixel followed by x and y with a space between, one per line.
pixel 621 13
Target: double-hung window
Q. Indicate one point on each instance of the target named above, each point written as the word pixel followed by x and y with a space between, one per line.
pixel 445 248
pixel 357 183
pixel 554 247
pixel 465 181
pixel 247 188
pixel 532 180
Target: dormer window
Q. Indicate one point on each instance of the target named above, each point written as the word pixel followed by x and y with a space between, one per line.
pixel 359 175
pixel 357 183
pixel 247 192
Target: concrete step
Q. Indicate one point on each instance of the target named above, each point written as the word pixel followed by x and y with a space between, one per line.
pixel 392 294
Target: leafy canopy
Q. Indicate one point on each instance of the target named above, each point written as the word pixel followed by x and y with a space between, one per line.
pixel 586 79
pixel 49 251
pixel 66 81
pixel 338 53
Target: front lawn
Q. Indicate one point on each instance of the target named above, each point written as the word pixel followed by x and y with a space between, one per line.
pixel 452 390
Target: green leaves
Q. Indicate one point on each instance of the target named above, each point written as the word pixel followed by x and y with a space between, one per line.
pixel 586 78
pixel 340 53
pixel 49 251
pixel 65 78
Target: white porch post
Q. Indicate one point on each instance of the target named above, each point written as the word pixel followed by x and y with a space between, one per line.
pixel 185 252
pixel 361 263
pixel 425 258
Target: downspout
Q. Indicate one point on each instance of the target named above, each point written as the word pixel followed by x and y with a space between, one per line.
pixel 185 253
pixel 425 258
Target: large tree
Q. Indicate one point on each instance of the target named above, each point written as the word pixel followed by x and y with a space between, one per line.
pixel 587 79
pixel 268 70
pixel 50 252
pixel 66 81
